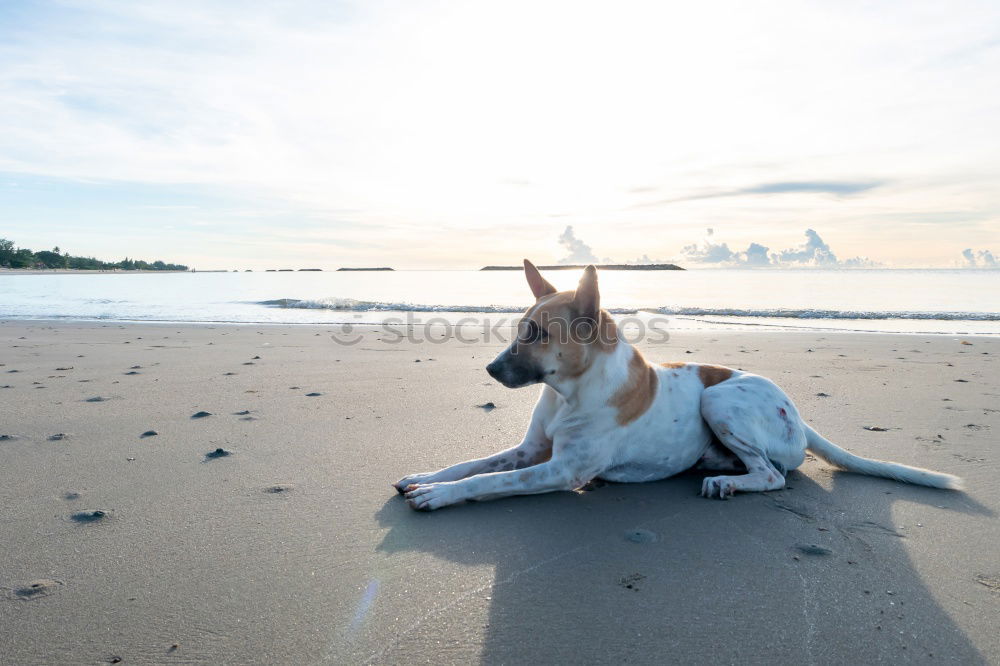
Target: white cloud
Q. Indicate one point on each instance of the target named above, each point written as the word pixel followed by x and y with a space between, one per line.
pixel 980 259
pixel 710 252
pixel 579 252
pixel 814 252
pixel 643 260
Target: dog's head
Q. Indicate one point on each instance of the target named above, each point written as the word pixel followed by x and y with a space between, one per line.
pixel 559 337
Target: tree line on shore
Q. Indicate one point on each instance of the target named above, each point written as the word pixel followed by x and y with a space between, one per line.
pixel 22 257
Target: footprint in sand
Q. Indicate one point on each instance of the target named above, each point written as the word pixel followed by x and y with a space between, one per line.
pixel 218 453
pixel 278 489
pixel 630 582
pixel 991 582
pixel 89 516
pixel 812 549
pixel 640 536
pixel 36 589
pixel 96 398
pixel 59 436
pixel 200 415
pixel 148 433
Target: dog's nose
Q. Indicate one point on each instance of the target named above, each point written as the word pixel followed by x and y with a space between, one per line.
pixel 494 369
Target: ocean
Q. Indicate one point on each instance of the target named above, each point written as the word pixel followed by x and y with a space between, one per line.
pixel 876 300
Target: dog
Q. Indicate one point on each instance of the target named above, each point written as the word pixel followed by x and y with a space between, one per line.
pixel 605 412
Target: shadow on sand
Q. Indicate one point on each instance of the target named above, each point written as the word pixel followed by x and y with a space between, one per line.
pixel 802 575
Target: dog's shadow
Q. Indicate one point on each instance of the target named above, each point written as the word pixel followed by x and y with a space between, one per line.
pixel 651 572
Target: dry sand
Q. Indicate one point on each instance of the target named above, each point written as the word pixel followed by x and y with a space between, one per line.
pixel 294 549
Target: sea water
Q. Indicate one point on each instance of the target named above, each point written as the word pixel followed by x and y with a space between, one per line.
pixel 929 301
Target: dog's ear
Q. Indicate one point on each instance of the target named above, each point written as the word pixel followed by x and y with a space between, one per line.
pixel 539 285
pixel 588 297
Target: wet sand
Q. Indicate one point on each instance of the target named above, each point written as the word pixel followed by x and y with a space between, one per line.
pixel 199 494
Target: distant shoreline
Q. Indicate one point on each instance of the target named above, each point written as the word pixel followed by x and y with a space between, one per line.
pixel 603 267
pixel 78 271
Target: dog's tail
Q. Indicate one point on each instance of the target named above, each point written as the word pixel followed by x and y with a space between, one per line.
pixel 835 455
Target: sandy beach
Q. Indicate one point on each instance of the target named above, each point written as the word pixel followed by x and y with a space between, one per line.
pixel 119 544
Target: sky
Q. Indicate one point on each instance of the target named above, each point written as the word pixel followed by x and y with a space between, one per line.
pixel 423 134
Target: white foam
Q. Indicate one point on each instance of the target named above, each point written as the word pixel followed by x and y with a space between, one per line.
pixel 829 314
pixel 352 305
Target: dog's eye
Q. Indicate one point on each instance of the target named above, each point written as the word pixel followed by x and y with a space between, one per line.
pixel 533 333
pixel 543 335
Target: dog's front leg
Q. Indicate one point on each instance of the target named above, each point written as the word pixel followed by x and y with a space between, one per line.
pixel 535 448
pixel 543 478
pixel 529 452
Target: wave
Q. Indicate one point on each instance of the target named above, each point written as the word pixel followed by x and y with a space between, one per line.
pixel 353 305
pixel 827 314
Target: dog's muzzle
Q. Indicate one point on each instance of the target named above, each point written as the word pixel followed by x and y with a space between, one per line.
pixel 513 374
pixel 494 369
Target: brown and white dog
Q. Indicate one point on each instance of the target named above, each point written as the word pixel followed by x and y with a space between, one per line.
pixel 605 412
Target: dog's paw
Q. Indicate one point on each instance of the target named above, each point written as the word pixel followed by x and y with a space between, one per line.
pixel 430 496
pixel 722 487
pixel 407 481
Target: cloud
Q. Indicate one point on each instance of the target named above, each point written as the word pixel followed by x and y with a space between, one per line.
pixel 841 188
pixel 645 260
pixel 756 255
pixel 835 187
pixel 720 254
pixel 710 252
pixel 814 252
pixel 579 252
pixel 980 259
